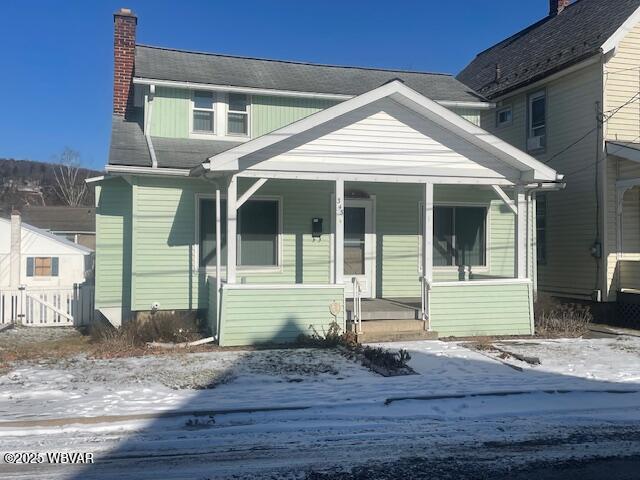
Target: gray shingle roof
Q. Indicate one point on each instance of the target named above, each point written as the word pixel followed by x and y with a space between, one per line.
pixel 547 46
pixel 129 147
pixel 166 64
pixel 61 219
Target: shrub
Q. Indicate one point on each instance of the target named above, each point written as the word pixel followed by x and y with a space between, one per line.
pixel 556 318
pixel 175 327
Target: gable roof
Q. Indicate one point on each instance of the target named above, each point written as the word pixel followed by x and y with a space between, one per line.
pixel 548 46
pixel 438 117
pixel 226 70
pixel 55 238
pixel 61 219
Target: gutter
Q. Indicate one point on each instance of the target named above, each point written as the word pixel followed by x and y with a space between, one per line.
pixel 152 82
pixel 147 124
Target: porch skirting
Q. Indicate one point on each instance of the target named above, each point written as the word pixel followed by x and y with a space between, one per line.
pixel 492 307
pixel 254 314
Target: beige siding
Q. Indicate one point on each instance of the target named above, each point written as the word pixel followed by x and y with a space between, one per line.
pixel 571 222
pixel 622 84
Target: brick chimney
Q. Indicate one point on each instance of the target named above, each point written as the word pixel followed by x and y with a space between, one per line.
pixel 557 6
pixel 124 49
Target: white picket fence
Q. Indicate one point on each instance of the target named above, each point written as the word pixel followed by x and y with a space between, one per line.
pixel 47 307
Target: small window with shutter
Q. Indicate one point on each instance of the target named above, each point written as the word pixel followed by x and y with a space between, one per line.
pixel 42 266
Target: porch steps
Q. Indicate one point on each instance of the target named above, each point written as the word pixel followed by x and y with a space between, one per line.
pixel 383 309
pixel 394 330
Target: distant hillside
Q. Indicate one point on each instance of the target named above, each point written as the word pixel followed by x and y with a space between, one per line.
pixel 25 182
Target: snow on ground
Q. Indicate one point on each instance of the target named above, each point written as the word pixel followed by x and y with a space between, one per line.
pixel 275 378
pixel 351 415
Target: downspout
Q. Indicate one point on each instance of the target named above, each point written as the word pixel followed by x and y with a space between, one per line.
pixel 218 259
pixel 147 125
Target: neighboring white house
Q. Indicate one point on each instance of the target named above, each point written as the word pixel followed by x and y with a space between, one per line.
pixel 37 258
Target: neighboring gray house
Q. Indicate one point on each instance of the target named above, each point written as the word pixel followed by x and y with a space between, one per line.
pixel 567 91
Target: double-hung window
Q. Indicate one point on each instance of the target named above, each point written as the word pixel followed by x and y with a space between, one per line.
pixel 537 121
pixel 504 116
pixel 238 114
pixel 459 236
pixel 42 266
pixel 258 228
pixel 203 112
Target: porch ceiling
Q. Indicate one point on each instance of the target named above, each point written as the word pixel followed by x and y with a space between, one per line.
pixel 392 133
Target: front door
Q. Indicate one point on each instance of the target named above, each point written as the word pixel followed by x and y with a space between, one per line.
pixel 359 247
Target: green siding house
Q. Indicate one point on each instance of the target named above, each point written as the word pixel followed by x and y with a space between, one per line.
pixel 277 196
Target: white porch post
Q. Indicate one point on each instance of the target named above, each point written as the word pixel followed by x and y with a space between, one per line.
pixel 521 233
pixel 427 234
pixel 232 196
pixel 218 259
pixel 339 243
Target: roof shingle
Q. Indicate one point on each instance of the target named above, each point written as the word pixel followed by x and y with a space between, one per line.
pixel 183 66
pixel 547 46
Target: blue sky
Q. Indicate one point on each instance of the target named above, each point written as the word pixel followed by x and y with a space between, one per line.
pixel 56 57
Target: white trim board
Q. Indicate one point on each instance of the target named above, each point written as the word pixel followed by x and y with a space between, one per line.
pixel 614 40
pixel 288 93
pixel 531 169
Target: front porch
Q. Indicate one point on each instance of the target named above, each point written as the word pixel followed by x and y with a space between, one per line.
pixel 439 238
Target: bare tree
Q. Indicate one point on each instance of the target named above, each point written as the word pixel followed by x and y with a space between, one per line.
pixel 70 185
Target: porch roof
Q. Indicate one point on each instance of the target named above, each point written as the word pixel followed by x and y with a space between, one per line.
pixel 392 133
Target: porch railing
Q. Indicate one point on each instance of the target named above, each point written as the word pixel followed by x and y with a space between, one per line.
pixel 425 291
pixel 357 305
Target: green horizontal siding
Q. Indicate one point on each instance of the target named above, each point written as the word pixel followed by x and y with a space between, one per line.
pixel 473 309
pixel 252 316
pixel 113 244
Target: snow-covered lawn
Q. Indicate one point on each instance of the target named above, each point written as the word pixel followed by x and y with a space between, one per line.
pixel 459 396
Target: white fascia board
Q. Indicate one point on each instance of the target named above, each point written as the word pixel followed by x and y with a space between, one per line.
pixel 479 105
pixel 623 151
pixel 614 40
pixel 126 169
pixel 399 92
pixel 95 179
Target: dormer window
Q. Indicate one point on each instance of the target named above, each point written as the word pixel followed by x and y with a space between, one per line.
pixel 203 112
pixel 238 114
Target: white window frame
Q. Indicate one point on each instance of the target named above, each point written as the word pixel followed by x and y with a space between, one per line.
pixel 530 134
pixel 247 113
pixel 243 269
pixel 506 108
pixel 214 109
pixel 487 241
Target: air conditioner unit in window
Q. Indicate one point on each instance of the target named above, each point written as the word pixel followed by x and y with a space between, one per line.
pixel 536 143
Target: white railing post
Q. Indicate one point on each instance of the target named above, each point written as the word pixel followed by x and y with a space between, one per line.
pixel 521 234
pixel 339 224
pixel 427 253
pixel 232 214
pixel 357 304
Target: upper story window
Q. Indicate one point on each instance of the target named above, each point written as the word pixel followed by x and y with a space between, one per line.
pixel 204 112
pixel 537 121
pixel 238 114
pixel 504 116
